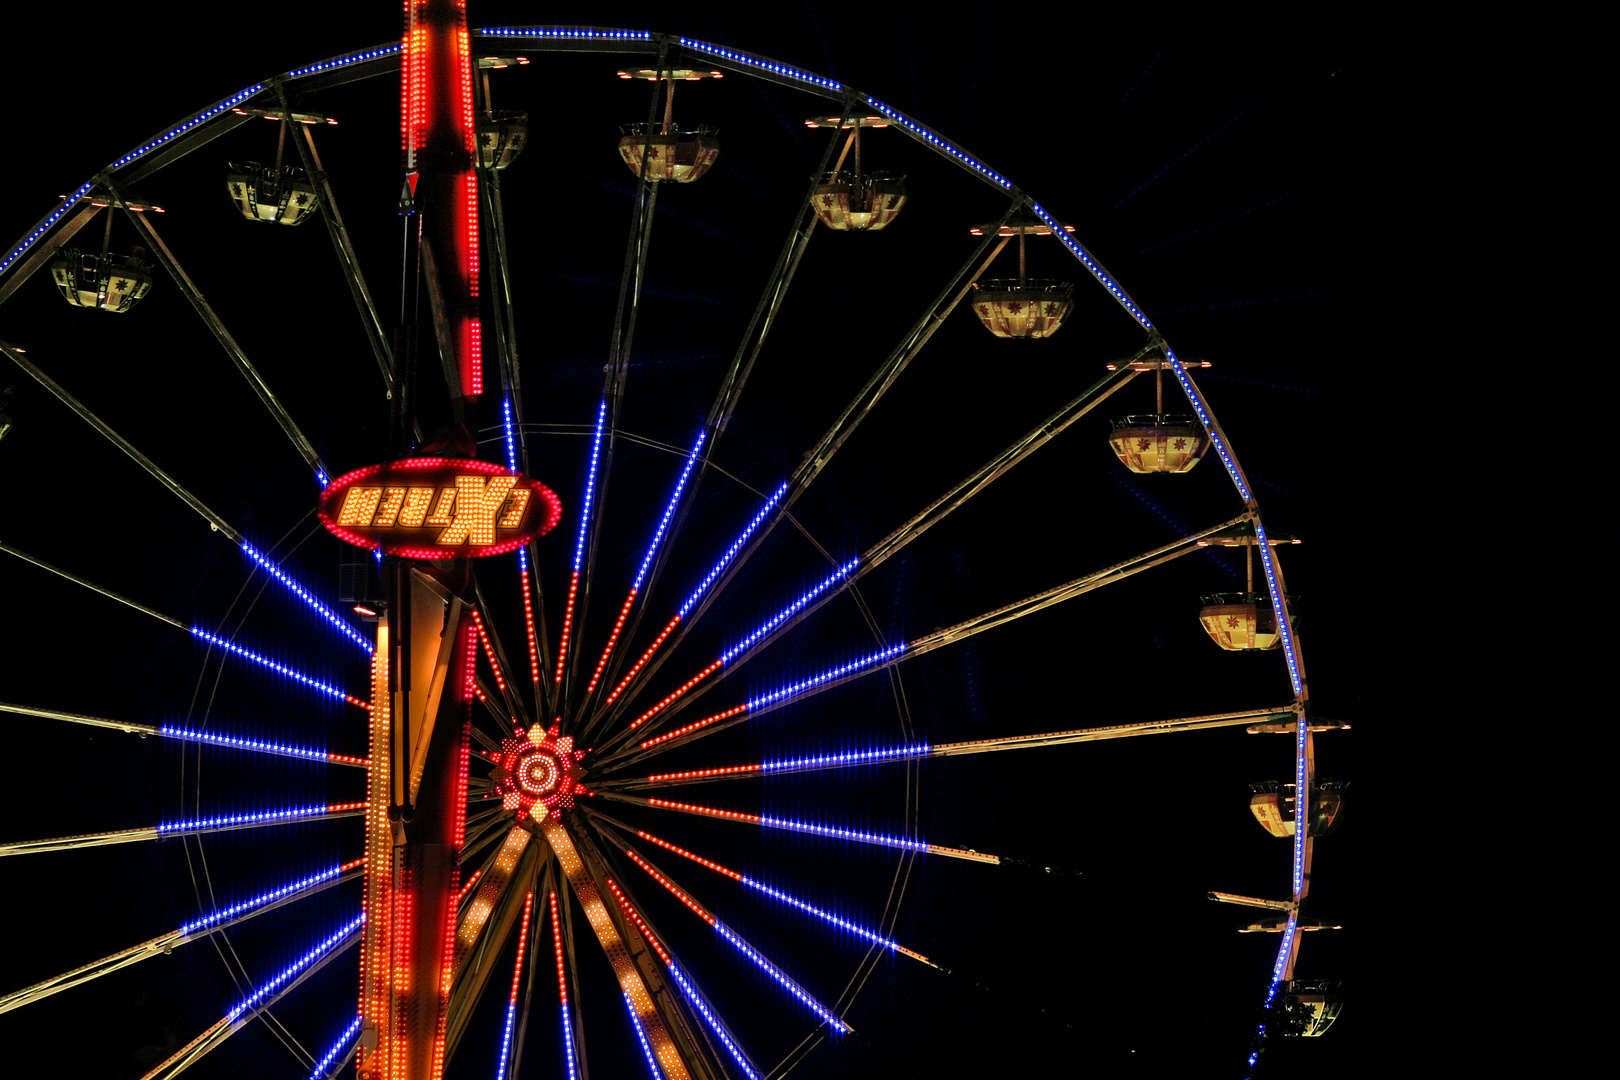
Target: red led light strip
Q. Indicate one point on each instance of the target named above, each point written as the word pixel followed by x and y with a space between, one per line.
pixel 345 759
pixel 705 811
pixel 613 637
pixel 671 699
pixel 646 656
pixel 489 651
pixel 534 645
pixel 557 947
pixel 523 937
pixel 697 774
pixel 705 722
pixel 641 924
pixel 675 890
pixel 467 888
pixel 700 860
pixel 568 622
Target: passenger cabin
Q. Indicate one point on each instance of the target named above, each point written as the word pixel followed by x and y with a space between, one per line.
pixel 501 137
pixel 113 283
pixel 1022 307
pixel 1274 806
pixel 854 200
pixel 1322 999
pixel 681 156
pixel 668 152
pixel 1156 443
pixel 284 196
pixel 1240 622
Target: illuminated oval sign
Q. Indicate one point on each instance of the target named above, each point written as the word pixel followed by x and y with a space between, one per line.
pixel 438 508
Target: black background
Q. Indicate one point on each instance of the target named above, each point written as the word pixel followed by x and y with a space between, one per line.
pixel 1322 207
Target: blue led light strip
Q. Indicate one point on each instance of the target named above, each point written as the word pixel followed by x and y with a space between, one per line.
pixel 506 1041
pixel 568 1041
pixel 855 835
pixel 944 146
pixel 652 1062
pixel 713 1021
pixel 303 594
pixel 43 227
pixel 1104 278
pixel 761 64
pixel 228 821
pixel 226 914
pixel 669 511
pixel 1216 439
pixel 294 968
pixel 248 654
pixel 825 916
pixel 170 731
pixel 590 486
pixel 200 118
pixel 788 612
pixel 731 552
pixel 755 704
pixel 852 757
pixel 337 1051
pixel 780 976
pixel 344 61
pixel 565 33
pixel 511 442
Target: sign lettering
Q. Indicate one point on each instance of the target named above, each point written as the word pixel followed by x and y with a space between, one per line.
pixel 438 508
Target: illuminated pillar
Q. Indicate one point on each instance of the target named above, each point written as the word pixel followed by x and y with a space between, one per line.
pixel 436 121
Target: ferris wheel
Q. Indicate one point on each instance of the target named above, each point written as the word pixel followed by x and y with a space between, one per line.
pixel 757 550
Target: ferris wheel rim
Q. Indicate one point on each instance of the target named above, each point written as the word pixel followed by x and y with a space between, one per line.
pixel 1195 397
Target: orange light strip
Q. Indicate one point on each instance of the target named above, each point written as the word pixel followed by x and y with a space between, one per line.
pixel 376 1003
pixel 630 981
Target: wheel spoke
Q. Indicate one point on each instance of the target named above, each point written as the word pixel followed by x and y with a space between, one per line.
pixel 217 522
pixel 638 995
pixel 189 827
pixel 694 999
pixel 337 1056
pixel 517 977
pixel 216 326
pixel 641 584
pixel 854 836
pixel 221 919
pixel 342 243
pixel 735 939
pixel 251 1006
pixel 776 894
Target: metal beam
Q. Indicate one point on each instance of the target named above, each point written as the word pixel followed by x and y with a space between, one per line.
pixel 213 519
pixel 348 262
pixel 42 252
pixel 163 832
pixel 161 945
pixel 142 608
pixel 216 326
pixel 235 1021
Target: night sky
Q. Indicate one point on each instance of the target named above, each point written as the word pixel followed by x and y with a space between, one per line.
pixel 1304 204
